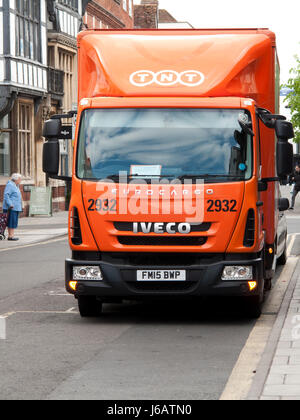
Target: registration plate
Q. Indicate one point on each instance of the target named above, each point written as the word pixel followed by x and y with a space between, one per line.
pixel 161 275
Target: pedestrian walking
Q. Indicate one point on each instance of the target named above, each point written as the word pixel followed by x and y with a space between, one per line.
pixel 12 204
pixel 295 179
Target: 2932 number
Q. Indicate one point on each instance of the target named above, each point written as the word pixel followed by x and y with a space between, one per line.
pixel 221 205
pixel 102 205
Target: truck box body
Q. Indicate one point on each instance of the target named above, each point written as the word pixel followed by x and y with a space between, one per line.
pixel 198 79
pixel 233 63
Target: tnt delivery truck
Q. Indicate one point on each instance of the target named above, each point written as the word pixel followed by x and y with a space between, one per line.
pixel 178 155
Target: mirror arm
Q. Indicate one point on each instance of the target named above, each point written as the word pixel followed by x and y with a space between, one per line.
pixel 246 128
pixel 267 118
pixel 60 177
pixel 263 183
pixel 275 178
pixel 69 114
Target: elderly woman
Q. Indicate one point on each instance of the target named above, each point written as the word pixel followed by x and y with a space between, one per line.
pixel 12 203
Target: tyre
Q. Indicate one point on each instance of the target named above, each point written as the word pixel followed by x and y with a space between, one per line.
pixel 253 306
pixel 89 306
pixel 283 257
pixel 268 285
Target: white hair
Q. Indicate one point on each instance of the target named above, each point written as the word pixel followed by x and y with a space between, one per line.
pixel 15 176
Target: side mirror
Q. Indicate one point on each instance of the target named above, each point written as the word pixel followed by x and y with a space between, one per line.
pixel 284 130
pixel 52 129
pixel 51 157
pixel 283 204
pixel 284 158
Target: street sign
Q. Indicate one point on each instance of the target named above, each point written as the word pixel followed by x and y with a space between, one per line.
pixel 40 201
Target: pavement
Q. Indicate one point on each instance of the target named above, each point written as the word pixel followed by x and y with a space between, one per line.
pixel 283 378
pixel 277 375
pixel 36 229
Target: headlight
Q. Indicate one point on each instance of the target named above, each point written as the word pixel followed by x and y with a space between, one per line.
pixel 237 272
pixel 86 272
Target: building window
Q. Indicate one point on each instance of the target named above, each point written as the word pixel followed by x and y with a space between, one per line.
pixel 73 4
pixel 5 146
pixel 125 4
pixel 25 136
pixel 28 39
pixel 66 63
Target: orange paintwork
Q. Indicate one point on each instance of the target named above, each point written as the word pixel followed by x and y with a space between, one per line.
pixel 238 68
pixel 232 63
pixel 218 235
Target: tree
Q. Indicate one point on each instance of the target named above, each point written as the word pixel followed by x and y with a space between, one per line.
pixel 293 98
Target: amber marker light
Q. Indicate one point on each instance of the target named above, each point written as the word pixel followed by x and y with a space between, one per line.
pixel 252 285
pixel 73 284
pixel 270 250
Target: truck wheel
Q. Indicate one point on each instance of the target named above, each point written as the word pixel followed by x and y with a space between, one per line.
pixel 89 306
pixel 283 258
pixel 253 306
pixel 268 285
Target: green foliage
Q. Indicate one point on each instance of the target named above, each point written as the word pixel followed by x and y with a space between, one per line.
pixel 293 98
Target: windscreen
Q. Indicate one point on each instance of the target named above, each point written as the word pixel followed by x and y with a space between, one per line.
pixel 164 143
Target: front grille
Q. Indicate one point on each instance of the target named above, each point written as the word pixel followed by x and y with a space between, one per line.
pixel 75 230
pixel 128 226
pixel 156 287
pixel 162 240
pixel 166 259
pixel 249 235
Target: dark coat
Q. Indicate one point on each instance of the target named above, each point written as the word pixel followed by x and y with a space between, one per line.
pixel 295 179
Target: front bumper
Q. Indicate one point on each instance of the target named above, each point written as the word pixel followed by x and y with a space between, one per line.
pixel 119 281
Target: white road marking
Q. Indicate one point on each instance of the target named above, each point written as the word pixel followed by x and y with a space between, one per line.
pixel 71 310
pixel 2 328
pixel 50 241
pixel 7 314
pixel 68 311
pixel 291 243
pixel 58 293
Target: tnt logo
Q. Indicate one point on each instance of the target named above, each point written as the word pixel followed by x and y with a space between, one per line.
pixel 188 78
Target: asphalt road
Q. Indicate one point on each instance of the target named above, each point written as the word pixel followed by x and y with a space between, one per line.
pixel 135 351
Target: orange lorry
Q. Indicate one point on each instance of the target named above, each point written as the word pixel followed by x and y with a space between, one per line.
pixel 179 151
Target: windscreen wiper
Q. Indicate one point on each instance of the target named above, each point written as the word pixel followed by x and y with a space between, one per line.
pixel 154 176
pixel 201 176
pixel 118 176
pixel 180 177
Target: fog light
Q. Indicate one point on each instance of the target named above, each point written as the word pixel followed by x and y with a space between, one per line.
pixel 252 285
pixel 73 284
pixel 87 272
pixel 237 272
